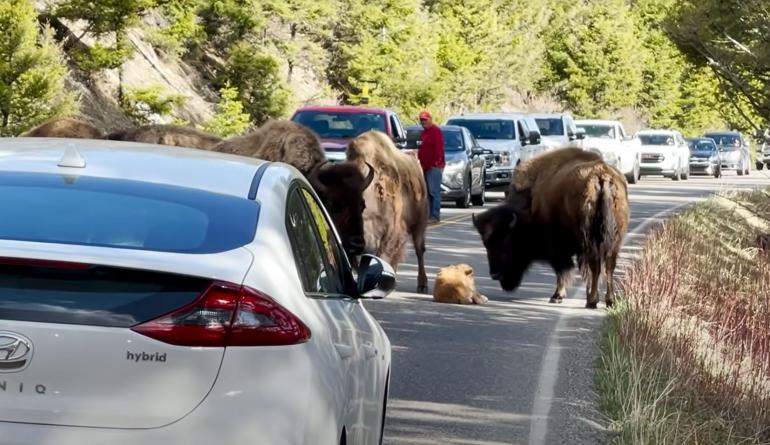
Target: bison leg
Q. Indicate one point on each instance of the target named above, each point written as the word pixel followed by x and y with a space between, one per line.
pixel 609 271
pixel 592 287
pixel 418 239
pixel 563 270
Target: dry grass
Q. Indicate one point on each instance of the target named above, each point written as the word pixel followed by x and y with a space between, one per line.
pixel 687 355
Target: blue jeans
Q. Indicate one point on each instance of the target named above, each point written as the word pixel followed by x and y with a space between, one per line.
pixel 433 181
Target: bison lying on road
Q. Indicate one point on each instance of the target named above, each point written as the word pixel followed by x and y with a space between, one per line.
pixel 564 204
pixel 340 186
pixel 167 135
pixel 455 284
pixel 65 128
pixel 396 205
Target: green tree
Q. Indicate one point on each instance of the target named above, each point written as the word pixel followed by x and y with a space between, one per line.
pixel 32 72
pixel 104 18
pixel 592 56
pixel 230 119
pixel 227 22
pixel 184 30
pixel 699 106
pixel 731 38
pixel 256 76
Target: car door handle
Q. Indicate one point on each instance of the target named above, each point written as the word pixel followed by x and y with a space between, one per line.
pixel 345 351
pixel 369 350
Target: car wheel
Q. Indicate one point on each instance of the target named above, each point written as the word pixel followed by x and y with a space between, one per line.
pixel 718 172
pixel 686 172
pixel 465 201
pixel 741 169
pixel 677 174
pixel 634 177
pixel 760 165
pixel 480 199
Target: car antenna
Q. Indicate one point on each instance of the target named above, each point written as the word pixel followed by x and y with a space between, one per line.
pixel 72 158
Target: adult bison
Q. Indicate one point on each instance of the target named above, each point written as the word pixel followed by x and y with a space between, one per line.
pixel 65 128
pixel 564 203
pixel 396 204
pixel 340 186
pixel 167 135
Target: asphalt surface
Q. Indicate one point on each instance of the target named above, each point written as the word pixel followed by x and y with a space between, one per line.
pixel 517 370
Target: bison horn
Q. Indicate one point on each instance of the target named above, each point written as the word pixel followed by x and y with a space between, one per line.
pixel 312 177
pixel 370 176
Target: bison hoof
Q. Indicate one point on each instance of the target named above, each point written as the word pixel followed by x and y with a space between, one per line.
pixel 591 305
pixel 422 289
pixel 556 299
pixel 609 303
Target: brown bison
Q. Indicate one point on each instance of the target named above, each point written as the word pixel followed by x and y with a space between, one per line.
pixel 567 203
pixel 455 285
pixel 65 128
pixel 340 186
pixel 167 135
pixel 396 204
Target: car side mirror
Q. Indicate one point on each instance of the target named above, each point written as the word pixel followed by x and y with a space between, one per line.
pixel 571 136
pixel 581 134
pixel 479 151
pixel 400 142
pixel 376 278
pixel 534 137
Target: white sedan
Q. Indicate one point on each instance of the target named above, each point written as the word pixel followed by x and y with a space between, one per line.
pixel 159 295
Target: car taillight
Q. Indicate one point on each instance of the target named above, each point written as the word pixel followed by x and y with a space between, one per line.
pixel 228 315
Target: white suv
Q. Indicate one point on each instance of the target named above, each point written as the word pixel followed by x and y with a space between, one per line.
pixel 664 152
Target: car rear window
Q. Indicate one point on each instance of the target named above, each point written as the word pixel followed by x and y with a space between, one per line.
pixel 122 214
pixel 90 295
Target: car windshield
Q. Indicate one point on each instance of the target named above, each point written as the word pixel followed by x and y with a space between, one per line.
pixel 340 125
pixel 550 126
pixel 656 139
pixel 123 214
pixel 453 139
pixel 725 139
pixel 487 128
pixel 702 146
pixel 599 131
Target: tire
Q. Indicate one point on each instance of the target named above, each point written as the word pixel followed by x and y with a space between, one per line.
pixel 480 199
pixel 686 173
pixel 677 174
pixel 465 201
pixel 760 165
pixel 741 169
pixel 634 178
pixel 718 172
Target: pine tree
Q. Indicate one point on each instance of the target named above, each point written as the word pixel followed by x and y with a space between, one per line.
pixel 230 119
pixel 32 72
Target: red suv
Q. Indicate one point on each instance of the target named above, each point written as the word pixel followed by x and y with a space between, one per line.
pixel 337 125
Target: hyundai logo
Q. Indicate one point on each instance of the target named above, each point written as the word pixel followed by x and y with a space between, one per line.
pixel 15 352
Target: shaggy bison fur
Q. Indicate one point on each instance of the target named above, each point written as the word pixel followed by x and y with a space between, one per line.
pixel 566 204
pixel 65 128
pixel 455 285
pixel 174 135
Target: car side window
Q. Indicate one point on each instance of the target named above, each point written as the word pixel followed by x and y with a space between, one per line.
pixel 310 251
pixel 396 127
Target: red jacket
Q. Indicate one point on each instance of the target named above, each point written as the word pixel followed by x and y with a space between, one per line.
pixel 431 151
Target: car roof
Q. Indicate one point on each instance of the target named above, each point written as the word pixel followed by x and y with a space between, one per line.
pixel 184 167
pixel 595 122
pixel 345 109
pixel 443 127
pixel 660 132
pixel 724 133
pixel 479 116
pixel 548 115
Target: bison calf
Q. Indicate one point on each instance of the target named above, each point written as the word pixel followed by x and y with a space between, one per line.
pixel 580 208
pixel 455 284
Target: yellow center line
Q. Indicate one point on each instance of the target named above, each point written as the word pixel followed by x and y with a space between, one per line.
pixel 449 221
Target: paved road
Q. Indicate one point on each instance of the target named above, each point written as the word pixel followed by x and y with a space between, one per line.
pixel 517 370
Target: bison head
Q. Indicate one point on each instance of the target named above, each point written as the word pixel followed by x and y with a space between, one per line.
pixel 508 238
pixel 341 188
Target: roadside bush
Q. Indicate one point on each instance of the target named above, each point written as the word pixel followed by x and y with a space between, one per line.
pixel 141 104
pixel 230 119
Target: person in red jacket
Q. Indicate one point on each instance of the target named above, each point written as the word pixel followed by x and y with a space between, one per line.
pixel 431 156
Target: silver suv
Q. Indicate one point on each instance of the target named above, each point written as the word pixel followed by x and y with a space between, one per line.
pixel 734 151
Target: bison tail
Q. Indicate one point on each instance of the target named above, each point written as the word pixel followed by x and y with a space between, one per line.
pixel 600 228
